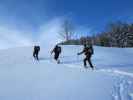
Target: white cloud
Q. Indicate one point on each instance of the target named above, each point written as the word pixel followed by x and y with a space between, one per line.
pixel 49 32
pixel 13 38
pixel 47 35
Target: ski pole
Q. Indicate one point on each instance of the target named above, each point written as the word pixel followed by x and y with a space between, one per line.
pixel 77 57
pixel 50 58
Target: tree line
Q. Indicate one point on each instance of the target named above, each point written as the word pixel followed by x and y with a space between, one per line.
pixel 118 34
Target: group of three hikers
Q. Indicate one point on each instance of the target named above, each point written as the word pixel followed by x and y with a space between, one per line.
pixel 87 51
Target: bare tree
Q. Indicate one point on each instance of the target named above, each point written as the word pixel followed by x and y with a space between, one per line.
pixel 67 30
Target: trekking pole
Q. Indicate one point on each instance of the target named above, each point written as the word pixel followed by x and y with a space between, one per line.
pixel 50 57
pixel 77 58
pixel 59 59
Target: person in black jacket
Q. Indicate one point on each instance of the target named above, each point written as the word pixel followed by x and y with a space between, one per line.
pixel 57 52
pixel 88 51
pixel 36 52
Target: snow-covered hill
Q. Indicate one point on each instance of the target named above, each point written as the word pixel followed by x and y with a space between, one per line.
pixel 23 78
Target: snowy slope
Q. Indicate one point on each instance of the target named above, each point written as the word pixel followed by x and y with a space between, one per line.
pixel 23 78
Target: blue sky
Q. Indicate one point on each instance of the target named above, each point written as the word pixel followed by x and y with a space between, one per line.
pixel 25 18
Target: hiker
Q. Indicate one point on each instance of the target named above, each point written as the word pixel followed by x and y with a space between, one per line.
pixel 56 51
pixel 36 52
pixel 88 52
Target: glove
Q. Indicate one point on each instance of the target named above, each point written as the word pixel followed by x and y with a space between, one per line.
pixel 78 53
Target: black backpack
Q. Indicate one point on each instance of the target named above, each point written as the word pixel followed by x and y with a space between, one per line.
pixel 59 49
pixel 38 48
pixel 91 50
pixel 88 51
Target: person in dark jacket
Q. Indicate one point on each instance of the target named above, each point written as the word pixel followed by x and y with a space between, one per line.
pixel 57 52
pixel 88 52
pixel 36 52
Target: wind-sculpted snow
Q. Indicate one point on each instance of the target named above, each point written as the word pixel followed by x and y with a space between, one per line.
pixel 23 78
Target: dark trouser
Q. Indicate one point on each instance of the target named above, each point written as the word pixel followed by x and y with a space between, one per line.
pixel 35 55
pixel 88 58
pixel 56 56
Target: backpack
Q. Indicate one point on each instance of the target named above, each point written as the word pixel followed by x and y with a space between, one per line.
pixel 91 50
pixel 88 51
pixel 59 49
pixel 38 48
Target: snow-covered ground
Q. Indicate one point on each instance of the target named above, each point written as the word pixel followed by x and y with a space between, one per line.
pixel 23 78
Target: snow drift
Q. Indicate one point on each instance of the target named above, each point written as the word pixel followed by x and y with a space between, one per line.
pixel 23 78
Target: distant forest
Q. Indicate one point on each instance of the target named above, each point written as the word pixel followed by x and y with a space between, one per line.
pixel 117 34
